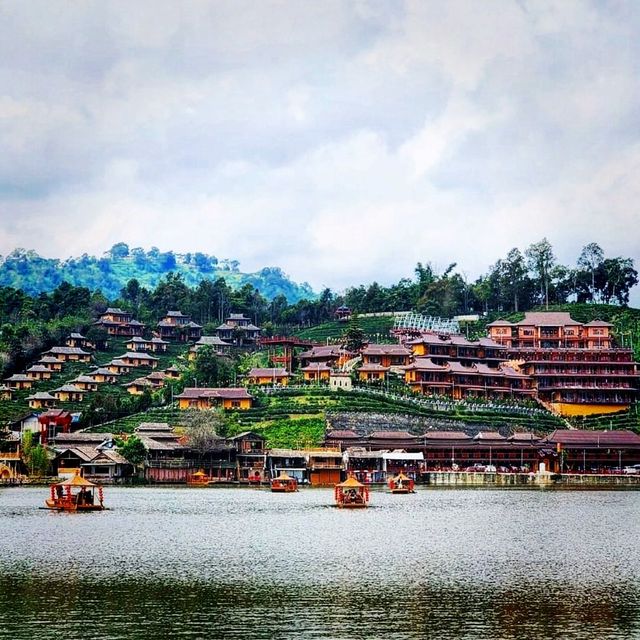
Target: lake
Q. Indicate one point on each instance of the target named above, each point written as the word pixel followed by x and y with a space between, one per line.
pixel 246 563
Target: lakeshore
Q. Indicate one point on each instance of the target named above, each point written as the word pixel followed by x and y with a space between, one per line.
pixel 517 564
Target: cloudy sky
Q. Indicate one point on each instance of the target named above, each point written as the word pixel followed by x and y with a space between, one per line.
pixel 341 141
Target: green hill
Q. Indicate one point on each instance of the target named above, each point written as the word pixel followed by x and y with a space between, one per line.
pixel 34 274
pixel 375 328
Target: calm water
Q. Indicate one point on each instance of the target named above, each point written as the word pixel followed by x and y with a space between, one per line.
pixel 243 563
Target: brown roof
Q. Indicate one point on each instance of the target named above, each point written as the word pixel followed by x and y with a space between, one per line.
pixel 138 355
pixel 68 351
pixel 446 435
pixel 231 393
pixel 320 366
pixel 39 368
pixel 547 319
pixel 385 350
pixel 598 323
pixel 342 433
pixel 41 395
pixel 500 323
pixel 373 367
pixel 391 435
pixel 425 364
pixel 268 372
pixel 83 436
pixel 489 435
pixel 595 438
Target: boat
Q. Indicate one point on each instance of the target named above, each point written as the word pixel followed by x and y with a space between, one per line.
pixel 198 479
pixel 351 494
pixel 284 483
pixel 76 494
pixel 401 484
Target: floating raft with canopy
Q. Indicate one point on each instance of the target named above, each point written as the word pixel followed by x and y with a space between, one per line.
pixel 401 484
pixel 284 483
pixel 198 479
pixel 351 494
pixel 76 494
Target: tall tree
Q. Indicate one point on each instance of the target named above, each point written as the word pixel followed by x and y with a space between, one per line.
pixel 590 259
pixel 540 260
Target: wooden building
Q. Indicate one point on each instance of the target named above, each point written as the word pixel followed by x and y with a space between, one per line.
pixel 87 383
pixel 239 330
pixel 69 354
pixel 250 456
pixel 79 341
pixel 41 400
pixel 378 359
pixel 39 372
pixel 19 381
pixel 117 322
pixel 139 359
pixel 442 348
pixel 229 398
pixel 177 326
pixel 219 346
pixel 261 376
pixel 291 461
pixel 316 373
pixel 6 393
pixel 51 362
pixel 551 330
pixel 324 466
pixel 581 381
pixel 69 393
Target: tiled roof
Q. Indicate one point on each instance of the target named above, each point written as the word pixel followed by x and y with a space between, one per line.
pixel 68 351
pixel 268 372
pixel 391 435
pixel 373 367
pixel 489 435
pixel 446 435
pixel 83 436
pixel 41 395
pixel 595 438
pixel 547 319
pixel 598 323
pixel 70 388
pixel 385 350
pixel 501 323
pixel 319 366
pixel 230 393
pixel 341 433
pixel 39 368
pixel 138 355
pixel 425 364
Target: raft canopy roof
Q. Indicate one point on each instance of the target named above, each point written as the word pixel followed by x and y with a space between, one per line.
pixel 350 483
pixel 76 481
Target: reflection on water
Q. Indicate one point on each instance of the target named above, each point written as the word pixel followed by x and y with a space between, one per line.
pixel 209 563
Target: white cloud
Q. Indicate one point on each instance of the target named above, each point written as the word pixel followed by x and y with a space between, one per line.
pixel 342 141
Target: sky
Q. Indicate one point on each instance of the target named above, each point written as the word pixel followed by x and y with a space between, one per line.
pixel 341 141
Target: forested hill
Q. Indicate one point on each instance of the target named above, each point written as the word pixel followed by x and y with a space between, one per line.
pixel 34 274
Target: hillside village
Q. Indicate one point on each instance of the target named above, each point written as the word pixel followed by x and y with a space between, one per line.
pixel 126 400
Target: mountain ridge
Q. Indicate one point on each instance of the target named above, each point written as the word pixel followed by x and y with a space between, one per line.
pixel 34 274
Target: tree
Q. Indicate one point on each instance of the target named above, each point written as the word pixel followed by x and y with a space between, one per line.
pixel 514 272
pixel 39 461
pixel 210 369
pixel 590 259
pixel 133 450
pixel 204 430
pixel 617 277
pixel 540 260
pixel 353 337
